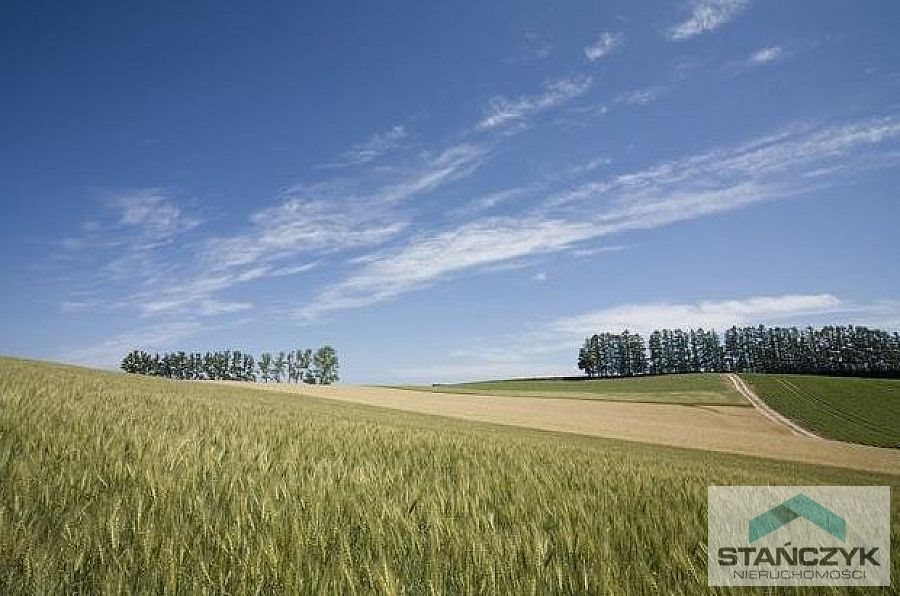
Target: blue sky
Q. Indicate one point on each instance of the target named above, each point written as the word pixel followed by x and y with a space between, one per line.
pixel 441 190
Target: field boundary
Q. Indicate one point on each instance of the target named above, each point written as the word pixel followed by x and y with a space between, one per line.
pixel 767 411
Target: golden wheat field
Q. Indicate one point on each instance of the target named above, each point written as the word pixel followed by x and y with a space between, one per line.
pixel 116 484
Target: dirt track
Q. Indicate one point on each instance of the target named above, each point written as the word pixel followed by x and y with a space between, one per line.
pixel 733 429
pixel 764 409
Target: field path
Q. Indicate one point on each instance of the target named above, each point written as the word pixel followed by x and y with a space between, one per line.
pixel 766 411
pixel 732 429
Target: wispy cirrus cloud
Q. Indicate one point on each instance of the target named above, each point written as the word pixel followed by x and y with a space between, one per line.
pixel 579 169
pixel 153 215
pixel 341 214
pixel 107 353
pixel 136 220
pixel 158 336
pixel 606 43
pixel 762 57
pixel 311 222
pixel 434 170
pixel 196 295
pixel 533 47
pixel 707 15
pixel 765 55
pixel 799 149
pixel 427 258
pixel 639 97
pixel 765 169
pixel 494 199
pixel 300 224
pixel 133 238
pixel 376 146
pixel 502 111
pixel 372 209
pixel 633 97
pixel 305 224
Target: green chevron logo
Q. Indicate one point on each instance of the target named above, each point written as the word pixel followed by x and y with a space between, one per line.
pixel 798 506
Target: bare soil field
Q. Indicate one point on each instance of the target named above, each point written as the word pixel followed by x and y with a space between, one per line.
pixel 731 429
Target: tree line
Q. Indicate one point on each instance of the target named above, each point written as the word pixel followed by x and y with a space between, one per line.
pixel 298 366
pixel 830 350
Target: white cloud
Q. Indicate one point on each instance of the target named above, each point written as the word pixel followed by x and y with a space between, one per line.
pixel 605 44
pixel 786 309
pixel 376 146
pixel 152 338
pixel 589 166
pixel 640 96
pixel 766 55
pixel 707 15
pixel 540 276
pixel 883 314
pixel 709 314
pixel 595 110
pixel 502 111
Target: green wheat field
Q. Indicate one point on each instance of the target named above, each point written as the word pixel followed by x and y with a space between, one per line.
pixel 863 411
pixel 117 484
pixel 706 389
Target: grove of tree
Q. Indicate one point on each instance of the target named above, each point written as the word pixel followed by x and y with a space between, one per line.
pixel 830 350
pixel 298 366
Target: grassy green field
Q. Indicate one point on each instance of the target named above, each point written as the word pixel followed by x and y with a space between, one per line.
pixel 848 409
pixel 694 389
pixel 115 484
